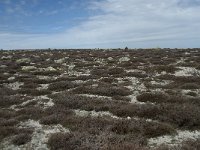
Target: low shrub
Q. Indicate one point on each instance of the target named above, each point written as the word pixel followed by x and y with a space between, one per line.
pixel 103 72
pixel 190 86
pixel 104 90
pixel 190 144
pixel 161 68
pixel 192 94
pixel 184 116
pixel 52 119
pixel 7 101
pixel 6 91
pixel 21 139
pixel 64 141
pixel 136 74
pixel 108 80
pixel 62 85
pixel 122 98
pixel 8 122
pixel 153 97
pixel 125 146
pixel 7 131
pixel 115 70
pixel 32 112
pixel 34 92
pixel 29 85
pixel 7 113
pixel 130 110
pixel 47 73
pixel 142 127
pixel 82 102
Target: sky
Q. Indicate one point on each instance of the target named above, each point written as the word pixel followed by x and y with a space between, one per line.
pixel 33 24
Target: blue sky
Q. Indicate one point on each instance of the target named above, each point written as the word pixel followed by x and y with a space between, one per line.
pixel 99 23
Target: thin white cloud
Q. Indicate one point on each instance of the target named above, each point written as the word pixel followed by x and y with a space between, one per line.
pixel 7 1
pixel 119 23
pixel 10 10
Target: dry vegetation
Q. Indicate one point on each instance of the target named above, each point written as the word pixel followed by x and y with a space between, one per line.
pixel 99 99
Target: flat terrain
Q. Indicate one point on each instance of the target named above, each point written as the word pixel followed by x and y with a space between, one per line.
pixel 137 99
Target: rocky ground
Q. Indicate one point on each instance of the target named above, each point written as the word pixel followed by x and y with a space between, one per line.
pixel 100 99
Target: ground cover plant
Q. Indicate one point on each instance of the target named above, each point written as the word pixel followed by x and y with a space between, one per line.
pixel 135 99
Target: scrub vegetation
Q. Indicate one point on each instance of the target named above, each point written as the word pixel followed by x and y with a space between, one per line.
pixel 100 99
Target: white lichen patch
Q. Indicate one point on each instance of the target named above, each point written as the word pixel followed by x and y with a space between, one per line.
pixel 3 66
pixel 180 61
pixel 133 98
pixel 48 104
pixel 79 81
pixel 78 73
pixel 60 61
pixel 100 61
pixel 47 69
pixel 23 60
pixel 28 68
pixel 43 87
pixel 124 59
pixel 11 78
pixel 84 113
pixel 185 92
pixel 110 58
pixel 187 71
pixel 136 88
pixel 45 101
pixel 135 70
pixel 71 67
pixel 137 85
pixel 96 96
pixel 186 53
pixel 40 136
pixel 72 72
pixel 174 140
pixel 46 77
pixel 64 64
pixel 161 82
pixel 159 90
pixel 159 74
pixel 14 85
pixel 6 57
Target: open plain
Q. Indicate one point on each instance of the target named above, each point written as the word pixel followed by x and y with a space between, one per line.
pixel 114 99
